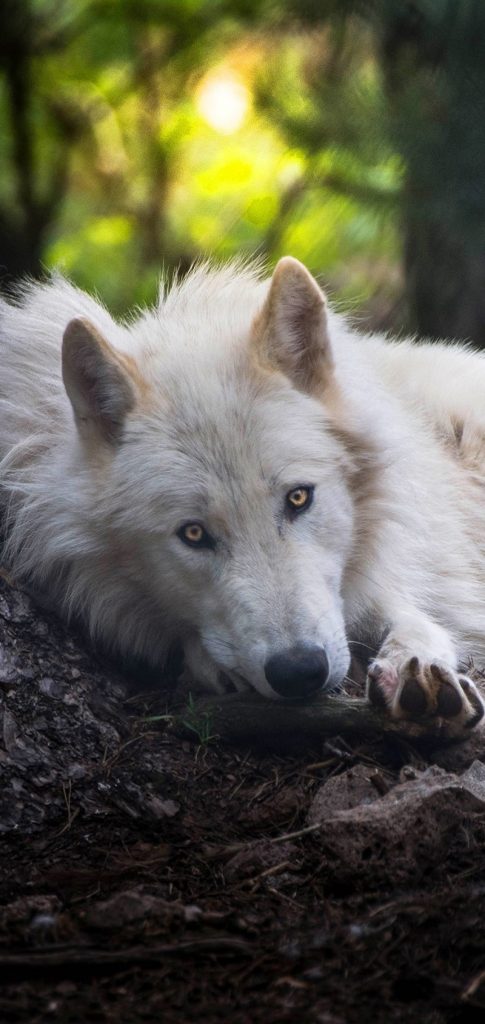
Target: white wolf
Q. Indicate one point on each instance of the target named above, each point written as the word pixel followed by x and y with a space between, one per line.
pixel 240 471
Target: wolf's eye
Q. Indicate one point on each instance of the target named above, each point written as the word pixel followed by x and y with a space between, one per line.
pixel 195 536
pixel 299 499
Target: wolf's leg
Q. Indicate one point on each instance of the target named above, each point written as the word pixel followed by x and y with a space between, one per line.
pixel 415 676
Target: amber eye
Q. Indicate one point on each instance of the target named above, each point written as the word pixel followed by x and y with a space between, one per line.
pixel 299 499
pixel 195 536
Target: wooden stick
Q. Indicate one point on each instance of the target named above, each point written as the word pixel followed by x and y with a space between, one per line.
pixel 79 956
pixel 249 718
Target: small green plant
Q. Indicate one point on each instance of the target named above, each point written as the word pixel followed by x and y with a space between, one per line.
pixel 158 718
pixel 198 722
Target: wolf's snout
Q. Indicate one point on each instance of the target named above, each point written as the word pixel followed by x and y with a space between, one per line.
pixel 299 672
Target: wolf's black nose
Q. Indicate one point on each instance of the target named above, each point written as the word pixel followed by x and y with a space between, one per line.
pixel 297 673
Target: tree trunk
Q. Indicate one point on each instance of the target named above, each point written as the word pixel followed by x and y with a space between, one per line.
pixel 434 73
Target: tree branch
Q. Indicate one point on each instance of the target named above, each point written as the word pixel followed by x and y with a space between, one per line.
pixel 249 718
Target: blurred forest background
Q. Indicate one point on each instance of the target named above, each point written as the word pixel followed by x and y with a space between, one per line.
pixel 349 133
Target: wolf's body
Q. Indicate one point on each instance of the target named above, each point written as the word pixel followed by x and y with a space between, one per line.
pixel 239 471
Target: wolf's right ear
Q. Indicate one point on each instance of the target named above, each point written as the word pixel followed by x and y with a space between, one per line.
pixel 291 332
pixel 96 381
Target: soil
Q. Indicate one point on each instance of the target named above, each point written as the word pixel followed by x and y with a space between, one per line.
pixel 150 872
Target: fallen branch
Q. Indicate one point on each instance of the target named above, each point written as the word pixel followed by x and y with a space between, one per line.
pixel 249 718
pixel 64 957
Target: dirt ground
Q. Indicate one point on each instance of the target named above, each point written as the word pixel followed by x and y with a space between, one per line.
pixel 149 877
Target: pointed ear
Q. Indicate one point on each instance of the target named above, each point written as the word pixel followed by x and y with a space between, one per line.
pixel 291 331
pixel 96 381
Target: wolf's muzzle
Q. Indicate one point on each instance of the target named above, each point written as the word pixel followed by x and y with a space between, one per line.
pixel 299 672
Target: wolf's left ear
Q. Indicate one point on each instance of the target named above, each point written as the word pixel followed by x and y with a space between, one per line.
pixel 291 330
pixel 96 381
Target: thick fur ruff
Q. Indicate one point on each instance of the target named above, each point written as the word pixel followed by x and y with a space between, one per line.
pixel 213 409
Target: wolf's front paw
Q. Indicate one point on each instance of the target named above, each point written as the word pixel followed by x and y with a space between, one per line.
pixel 433 696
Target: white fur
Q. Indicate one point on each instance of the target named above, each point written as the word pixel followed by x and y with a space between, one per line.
pixel 395 535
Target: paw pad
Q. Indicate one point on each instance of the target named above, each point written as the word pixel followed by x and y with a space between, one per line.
pixel 430 695
pixel 413 698
pixel 449 700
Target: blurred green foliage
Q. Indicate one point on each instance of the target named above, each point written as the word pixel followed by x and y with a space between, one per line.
pixel 150 133
pixel 138 134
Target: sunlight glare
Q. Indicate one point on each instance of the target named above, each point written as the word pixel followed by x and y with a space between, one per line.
pixel 223 101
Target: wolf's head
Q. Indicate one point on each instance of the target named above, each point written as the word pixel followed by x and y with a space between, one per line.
pixel 222 491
